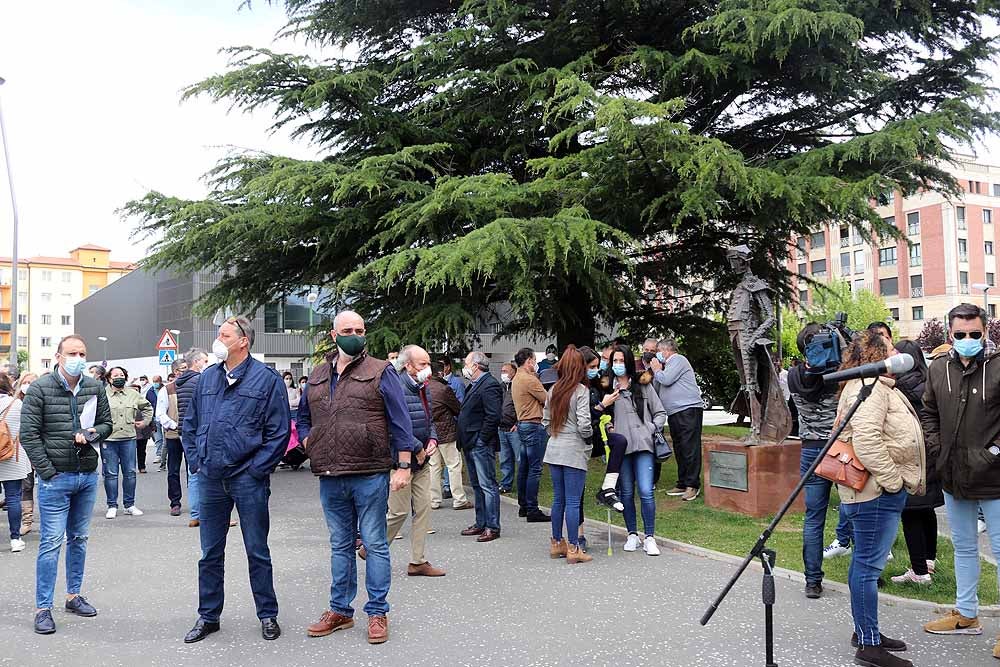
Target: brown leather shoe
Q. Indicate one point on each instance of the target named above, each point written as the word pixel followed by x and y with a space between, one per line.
pixel 462 506
pixel 378 629
pixel 424 570
pixel 473 530
pixel 488 535
pixel 362 552
pixel 194 523
pixel 328 623
pixel 557 549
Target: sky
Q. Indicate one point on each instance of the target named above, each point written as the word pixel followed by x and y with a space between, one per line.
pixel 93 116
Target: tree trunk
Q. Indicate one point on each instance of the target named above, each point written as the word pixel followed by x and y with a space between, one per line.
pixel 579 329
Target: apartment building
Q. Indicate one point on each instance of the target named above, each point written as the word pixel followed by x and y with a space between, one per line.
pixel 48 288
pixel 950 248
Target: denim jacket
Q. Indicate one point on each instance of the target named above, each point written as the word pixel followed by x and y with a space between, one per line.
pixel 243 426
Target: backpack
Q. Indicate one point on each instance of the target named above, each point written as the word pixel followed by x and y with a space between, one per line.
pixel 8 446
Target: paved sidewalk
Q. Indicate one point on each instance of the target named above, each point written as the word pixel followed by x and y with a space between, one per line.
pixel 503 603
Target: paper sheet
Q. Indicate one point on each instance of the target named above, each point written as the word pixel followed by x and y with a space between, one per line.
pixel 89 416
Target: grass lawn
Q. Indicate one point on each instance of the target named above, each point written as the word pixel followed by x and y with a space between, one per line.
pixel 694 523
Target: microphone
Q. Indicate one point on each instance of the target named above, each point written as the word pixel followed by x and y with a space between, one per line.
pixel 896 364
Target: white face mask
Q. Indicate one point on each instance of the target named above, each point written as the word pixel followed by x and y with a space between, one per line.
pixel 424 375
pixel 505 377
pixel 220 350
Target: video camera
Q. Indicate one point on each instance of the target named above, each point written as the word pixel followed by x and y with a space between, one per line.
pixel 824 352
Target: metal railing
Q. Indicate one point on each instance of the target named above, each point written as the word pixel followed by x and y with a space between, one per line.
pixel 915 261
pixel 916 292
pixel 963 289
pixel 963 257
pixel 845 242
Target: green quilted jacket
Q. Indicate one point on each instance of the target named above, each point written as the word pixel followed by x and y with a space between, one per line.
pixel 50 416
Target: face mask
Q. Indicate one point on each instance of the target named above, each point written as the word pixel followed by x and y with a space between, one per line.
pixel 593 373
pixel 661 358
pixel 74 366
pixel 220 350
pixel 118 383
pixel 467 372
pixel 302 385
pixel 968 347
pixel 156 385
pixel 289 383
pixel 550 356
pixel 424 375
pixel 352 346
pixel 604 365
pixel 619 369
pixel 24 387
pixel 648 356
pixel 504 378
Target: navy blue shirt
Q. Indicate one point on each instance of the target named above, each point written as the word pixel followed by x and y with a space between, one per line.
pixel 396 412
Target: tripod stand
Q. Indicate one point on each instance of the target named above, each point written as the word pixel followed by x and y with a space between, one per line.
pixel 767 556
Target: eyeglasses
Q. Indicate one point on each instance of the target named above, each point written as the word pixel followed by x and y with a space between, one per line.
pixel 235 321
pixel 960 335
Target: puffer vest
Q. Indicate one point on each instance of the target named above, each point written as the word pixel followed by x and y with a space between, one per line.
pixel 350 433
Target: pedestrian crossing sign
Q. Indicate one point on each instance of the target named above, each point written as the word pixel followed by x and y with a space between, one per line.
pixel 167 357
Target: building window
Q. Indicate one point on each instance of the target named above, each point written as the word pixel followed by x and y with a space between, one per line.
pixel 915 259
pixel 918 312
pixel 963 282
pixel 22 341
pixel 987 216
pixel 22 318
pixel 989 247
pixel 890 221
pixel 803 269
pixel 22 274
pixel 46 319
pixel 47 364
pixel 859 285
pixel 94 289
pixel 887 256
pixel 800 246
pixel 887 197
pixel 819 268
pixel 22 298
pixel 46 341
pixel 845 263
pixel 913 223
pixel 817 240
pixel 991 279
pixel 845 237
pixel 978 185
pixel 916 286
pixel 963 250
pixel 804 296
pixel 960 215
pixel 46 297
pixel 888 286
pixel 993 311
pixel 894 314
pixel 859 261
pixel 47 276
pixel 66 296
pixel 67 277
pixel 66 320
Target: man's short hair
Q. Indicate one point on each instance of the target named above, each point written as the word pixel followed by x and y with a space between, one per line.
pixel 193 355
pixel 875 326
pixel 966 311
pixel 404 355
pixel 243 326
pixel 668 344
pixel 551 348
pixel 650 341
pixel 480 359
pixel 523 355
pixel 437 368
pixel 70 337
pixel 174 367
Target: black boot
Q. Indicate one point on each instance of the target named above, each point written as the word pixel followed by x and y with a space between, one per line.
pixel 877 656
pixel 887 643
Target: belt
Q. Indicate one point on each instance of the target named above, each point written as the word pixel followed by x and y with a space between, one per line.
pixel 529 421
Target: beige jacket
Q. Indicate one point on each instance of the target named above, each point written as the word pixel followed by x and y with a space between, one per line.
pixel 888 441
pixel 529 396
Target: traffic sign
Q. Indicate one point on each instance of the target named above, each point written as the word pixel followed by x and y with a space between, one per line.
pixel 167 357
pixel 167 341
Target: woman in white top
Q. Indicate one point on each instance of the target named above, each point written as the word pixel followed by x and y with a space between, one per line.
pixel 293 393
pixel 16 468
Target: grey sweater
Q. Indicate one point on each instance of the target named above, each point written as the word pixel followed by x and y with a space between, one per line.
pixel 570 447
pixel 639 432
pixel 677 386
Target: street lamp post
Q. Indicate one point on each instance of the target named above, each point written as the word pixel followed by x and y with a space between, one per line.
pixel 104 339
pixel 986 296
pixel 177 339
pixel 13 259
pixel 311 298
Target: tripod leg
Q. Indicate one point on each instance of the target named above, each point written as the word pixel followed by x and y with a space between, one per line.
pixel 767 559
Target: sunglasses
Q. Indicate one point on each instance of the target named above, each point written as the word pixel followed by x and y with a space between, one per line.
pixel 960 335
pixel 235 322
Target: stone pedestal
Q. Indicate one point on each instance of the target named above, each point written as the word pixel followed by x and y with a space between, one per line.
pixel 751 480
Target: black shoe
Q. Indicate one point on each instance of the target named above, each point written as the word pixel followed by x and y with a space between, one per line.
pixel 269 628
pixel 80 607
pixel 886 643
pixel 446 494
pixel 200 630
pixel 44 625
pixel 815 592
pixel 609 498
pixel 522 512
pixel 877 656
pixel 504 490
pixel 538 516
pixel 582 542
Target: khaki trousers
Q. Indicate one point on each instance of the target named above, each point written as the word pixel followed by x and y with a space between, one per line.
pixel 415 498
pixel 447 454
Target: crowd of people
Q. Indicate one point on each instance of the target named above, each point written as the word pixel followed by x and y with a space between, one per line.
pixel 394 439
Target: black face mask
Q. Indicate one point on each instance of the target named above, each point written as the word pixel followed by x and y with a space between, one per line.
pixel 118 383
pixel 648 356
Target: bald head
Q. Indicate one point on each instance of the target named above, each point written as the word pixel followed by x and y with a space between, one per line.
pixel 348 319
pixel 415 361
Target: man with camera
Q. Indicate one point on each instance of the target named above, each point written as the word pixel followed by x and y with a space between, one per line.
pixel 817 407
pixel 961 421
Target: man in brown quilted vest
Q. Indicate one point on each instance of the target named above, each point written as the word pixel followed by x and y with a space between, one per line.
pixel 355 425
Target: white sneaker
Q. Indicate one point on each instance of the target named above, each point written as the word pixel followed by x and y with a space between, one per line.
pixel 156 460
pixel 889 558
pixel 632 543
pixel 835 549
pixel 134 511
pixel 931 566
pixel 112 513
pixel 650 546
pixel 911 577
pixel 16 545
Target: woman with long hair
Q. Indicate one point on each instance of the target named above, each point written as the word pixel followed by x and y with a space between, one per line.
pixel 566 418
pixel 14 470
pixel 602 404
pixel 888 440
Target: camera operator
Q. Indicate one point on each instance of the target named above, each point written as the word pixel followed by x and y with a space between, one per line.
pixel 817 408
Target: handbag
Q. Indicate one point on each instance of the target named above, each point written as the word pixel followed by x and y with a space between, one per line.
pixel 662 446
pixel 841 465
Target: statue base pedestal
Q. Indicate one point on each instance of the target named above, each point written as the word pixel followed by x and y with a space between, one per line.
pixel 751 480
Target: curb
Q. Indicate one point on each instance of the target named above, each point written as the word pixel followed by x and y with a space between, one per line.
pixel 986 611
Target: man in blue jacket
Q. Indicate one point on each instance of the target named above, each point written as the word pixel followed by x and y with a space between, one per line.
pixel 234 434
pixel 479 438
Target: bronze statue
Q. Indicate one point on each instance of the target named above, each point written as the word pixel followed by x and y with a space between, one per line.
pixel 750 319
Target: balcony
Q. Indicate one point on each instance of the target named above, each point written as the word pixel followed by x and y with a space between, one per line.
pixel 963 257
pixel 4 326
pixel 913 230
pixel 916 292
pixel 963 289
pixel 845 242
pixel 915 261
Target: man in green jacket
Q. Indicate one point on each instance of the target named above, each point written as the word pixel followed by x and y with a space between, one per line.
pixel 64 418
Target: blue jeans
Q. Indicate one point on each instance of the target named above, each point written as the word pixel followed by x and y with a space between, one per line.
pixel 510 450
pixel 158 441
pixel 65 503
pixel 817 496
pixel 962 517
pixel 567 494
pixel 481 465
pixel 12 494
pixel 119 454
pixel 350 503
pixel 875 524
pixel 637 470
pixel 250 496
pixel 532 440
pixel 194 497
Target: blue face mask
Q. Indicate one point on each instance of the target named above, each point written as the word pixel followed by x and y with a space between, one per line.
pixel 968 347
pixel 74 366
pixel 660 358
pixel 593 373
pixel 156 385
pixel 618 369
pixel 604 364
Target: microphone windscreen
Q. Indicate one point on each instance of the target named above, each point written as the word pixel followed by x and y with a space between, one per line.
pixel 898 364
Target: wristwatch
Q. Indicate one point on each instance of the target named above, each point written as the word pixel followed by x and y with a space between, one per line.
pixel 994 450
pixel 403 465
